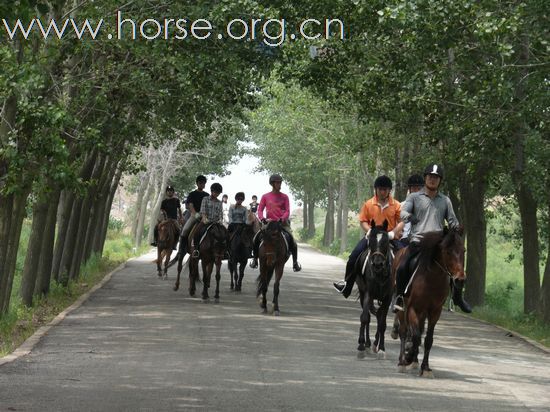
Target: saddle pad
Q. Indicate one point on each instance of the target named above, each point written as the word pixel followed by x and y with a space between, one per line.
pixel 205 233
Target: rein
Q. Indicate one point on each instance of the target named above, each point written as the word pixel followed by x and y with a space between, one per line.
pixel 444 269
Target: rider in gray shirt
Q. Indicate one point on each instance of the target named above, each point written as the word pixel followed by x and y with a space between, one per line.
pixel 426 210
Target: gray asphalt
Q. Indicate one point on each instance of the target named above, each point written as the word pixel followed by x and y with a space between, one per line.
pixel 136 345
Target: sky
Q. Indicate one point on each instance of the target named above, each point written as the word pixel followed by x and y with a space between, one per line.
pixel 243 178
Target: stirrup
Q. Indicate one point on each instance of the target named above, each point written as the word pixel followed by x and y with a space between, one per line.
pixel 340 285
pixel 254 263
pixel 397 304
pixel 195 254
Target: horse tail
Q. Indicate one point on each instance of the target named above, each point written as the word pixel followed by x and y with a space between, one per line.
pixel 259 285
pixel 173 261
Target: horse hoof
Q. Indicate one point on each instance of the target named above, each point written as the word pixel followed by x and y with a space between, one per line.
pixel 381 354
pixel 427 374
pixel 232 287
pixel 401 368
pixel 176 288
pixel 204 300
pixel 413 365
pixel 264 311
pixel 217 300
pixel 374 349
pixel 276 313
pixel 360 354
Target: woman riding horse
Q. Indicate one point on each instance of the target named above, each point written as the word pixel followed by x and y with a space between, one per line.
pixel 241 235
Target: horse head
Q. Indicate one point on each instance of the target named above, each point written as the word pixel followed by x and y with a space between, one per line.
pixel 272 230
pixel 167 234
pixel 452 253
pixel 379 247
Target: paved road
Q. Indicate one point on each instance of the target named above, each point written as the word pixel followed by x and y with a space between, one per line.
pixel 136 345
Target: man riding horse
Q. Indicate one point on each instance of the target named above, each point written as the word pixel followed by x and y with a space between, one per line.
pixel 193 203
pixel 426 210
pixel 277 207
pixel 171 209
pixel 382 206
pixel 211 212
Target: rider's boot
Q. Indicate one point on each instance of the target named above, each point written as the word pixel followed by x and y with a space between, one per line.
pixel 458 299
pixel 156 235
pixel 255 251
pixel 295 265
pixel 346 286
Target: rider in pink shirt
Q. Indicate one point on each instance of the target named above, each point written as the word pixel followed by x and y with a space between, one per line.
pixel 276 206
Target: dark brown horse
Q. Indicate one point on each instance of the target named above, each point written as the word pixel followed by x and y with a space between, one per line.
pixel 373 278
pixel 441 258
pixel 212 250
pixel 240 249
pixel 167 239
pixel 273 254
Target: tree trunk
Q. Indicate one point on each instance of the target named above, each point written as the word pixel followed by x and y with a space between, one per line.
pixel 544 305
pixel 143 210
pixel 310 217
pixel 109 203
pixel 42 286
pixel 14 235
pixel 473 197
pixel 345 211
pixel 304 214
pixel 66 207
pixel 6 208
pixel 328 236
pixel 34 247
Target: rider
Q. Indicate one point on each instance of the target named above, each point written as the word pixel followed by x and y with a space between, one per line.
pixel 171 208
pixel 277 208
pixel 193 202
pixel 427 210
pixel 254 204
pixel 211 212
pixel 225 206
pixel 237 212
pixel 382 206
pixel 415 183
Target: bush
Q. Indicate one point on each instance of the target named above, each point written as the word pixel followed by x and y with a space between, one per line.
pixel 116 225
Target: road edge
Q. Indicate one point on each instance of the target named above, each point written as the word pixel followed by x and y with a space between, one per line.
pixel 28 345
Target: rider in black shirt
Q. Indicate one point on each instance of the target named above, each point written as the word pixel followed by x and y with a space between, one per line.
pixel 171 208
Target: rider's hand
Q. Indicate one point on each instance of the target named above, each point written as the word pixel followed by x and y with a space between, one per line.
pixel 367 234
pixel 197 215
pixel 391 235
pixel 264 221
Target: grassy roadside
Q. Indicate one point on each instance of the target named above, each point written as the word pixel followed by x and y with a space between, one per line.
pixel 21 322
pixel 504 283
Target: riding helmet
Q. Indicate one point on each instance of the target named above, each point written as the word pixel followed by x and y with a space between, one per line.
pixel 200 179
pixel 275 178
pixel 239 195
pixel 433 169
pixel 216 187
pixel 383 181
pixel 170 188
pixel 415 180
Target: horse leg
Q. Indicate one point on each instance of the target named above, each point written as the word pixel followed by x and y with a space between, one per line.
pixel 263 287
pixel 411 348
pixel 193 273
pixel 425 370
pixel 218 277
pixel 159 262
pixel 231 265
pixel 242 266
pixel 166 261
pixel 402 364
pixel 362 319
pixel 206 273
pixel 278 276
pixel 180 266
pixel 379 342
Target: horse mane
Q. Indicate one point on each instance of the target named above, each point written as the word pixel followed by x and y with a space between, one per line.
pixel 429 247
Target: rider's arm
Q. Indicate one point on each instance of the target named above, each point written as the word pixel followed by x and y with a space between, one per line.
pixel 399 227
pixel 286 213
pixel 365 226
pixel 450 215
pixel 261 208
pixel 364 218
pixel 406 209
pixel 203 208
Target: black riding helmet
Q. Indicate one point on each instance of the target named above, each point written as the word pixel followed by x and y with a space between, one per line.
pixel 434 169
pixel 239 195
pixel 170 188
pixel 216 187
pixel 275 178
pixel 383 181
pixel 415 180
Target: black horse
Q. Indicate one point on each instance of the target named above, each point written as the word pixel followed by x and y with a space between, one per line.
pixel 240 249
pixel 373 269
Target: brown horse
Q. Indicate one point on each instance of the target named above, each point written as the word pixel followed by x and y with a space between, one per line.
pixel 273 254
pixel 240 249
pixel 373 269
pixel 212 250
pixel 167 239
pixel 441 258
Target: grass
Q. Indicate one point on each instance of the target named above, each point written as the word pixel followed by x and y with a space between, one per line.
pixel 504 278
pixel 21 322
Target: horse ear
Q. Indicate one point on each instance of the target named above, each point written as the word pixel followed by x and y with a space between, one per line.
pixel 372 223
pixel 385 225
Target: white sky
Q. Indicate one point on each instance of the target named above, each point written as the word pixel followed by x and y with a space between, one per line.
pixel 243 178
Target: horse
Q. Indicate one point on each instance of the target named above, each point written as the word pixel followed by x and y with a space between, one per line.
pixel 167 239
pixel 273 254
pixel 212 250
pixel 240 249
pixel 373 278
pixel 441 258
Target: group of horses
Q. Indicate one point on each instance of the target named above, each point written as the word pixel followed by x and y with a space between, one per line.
pixel 440 261
pixel 216 245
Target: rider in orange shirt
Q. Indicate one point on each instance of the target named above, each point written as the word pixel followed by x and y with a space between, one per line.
pixel 382 206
